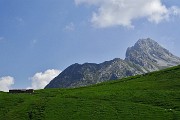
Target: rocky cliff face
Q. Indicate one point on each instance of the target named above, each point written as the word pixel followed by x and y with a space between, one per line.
pixel 145 56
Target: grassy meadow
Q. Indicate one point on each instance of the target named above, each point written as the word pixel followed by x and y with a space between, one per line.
pixel 152 96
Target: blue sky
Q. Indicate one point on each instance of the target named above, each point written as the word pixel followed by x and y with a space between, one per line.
pixel 40 38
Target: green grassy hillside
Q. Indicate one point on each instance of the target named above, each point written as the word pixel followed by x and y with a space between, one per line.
pixel 152 96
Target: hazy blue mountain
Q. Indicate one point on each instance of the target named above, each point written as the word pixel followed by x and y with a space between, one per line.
pixel 145 56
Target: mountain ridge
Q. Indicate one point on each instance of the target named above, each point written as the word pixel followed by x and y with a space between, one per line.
pixel 145 56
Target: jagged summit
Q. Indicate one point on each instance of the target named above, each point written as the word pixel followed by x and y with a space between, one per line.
pixel 145 56
pixel 150 55
pixel 146 42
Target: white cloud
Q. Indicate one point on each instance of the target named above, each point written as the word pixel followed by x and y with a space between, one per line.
pixel 41 79
pixel 6 83
pixel 70 27
pixel 174 10
pixel 123 12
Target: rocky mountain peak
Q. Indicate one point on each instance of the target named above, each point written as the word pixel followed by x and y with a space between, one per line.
pixel 150 55
pixel 146 42
pixel 146 45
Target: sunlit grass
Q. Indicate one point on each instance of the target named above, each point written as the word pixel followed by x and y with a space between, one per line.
pixel 152 96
